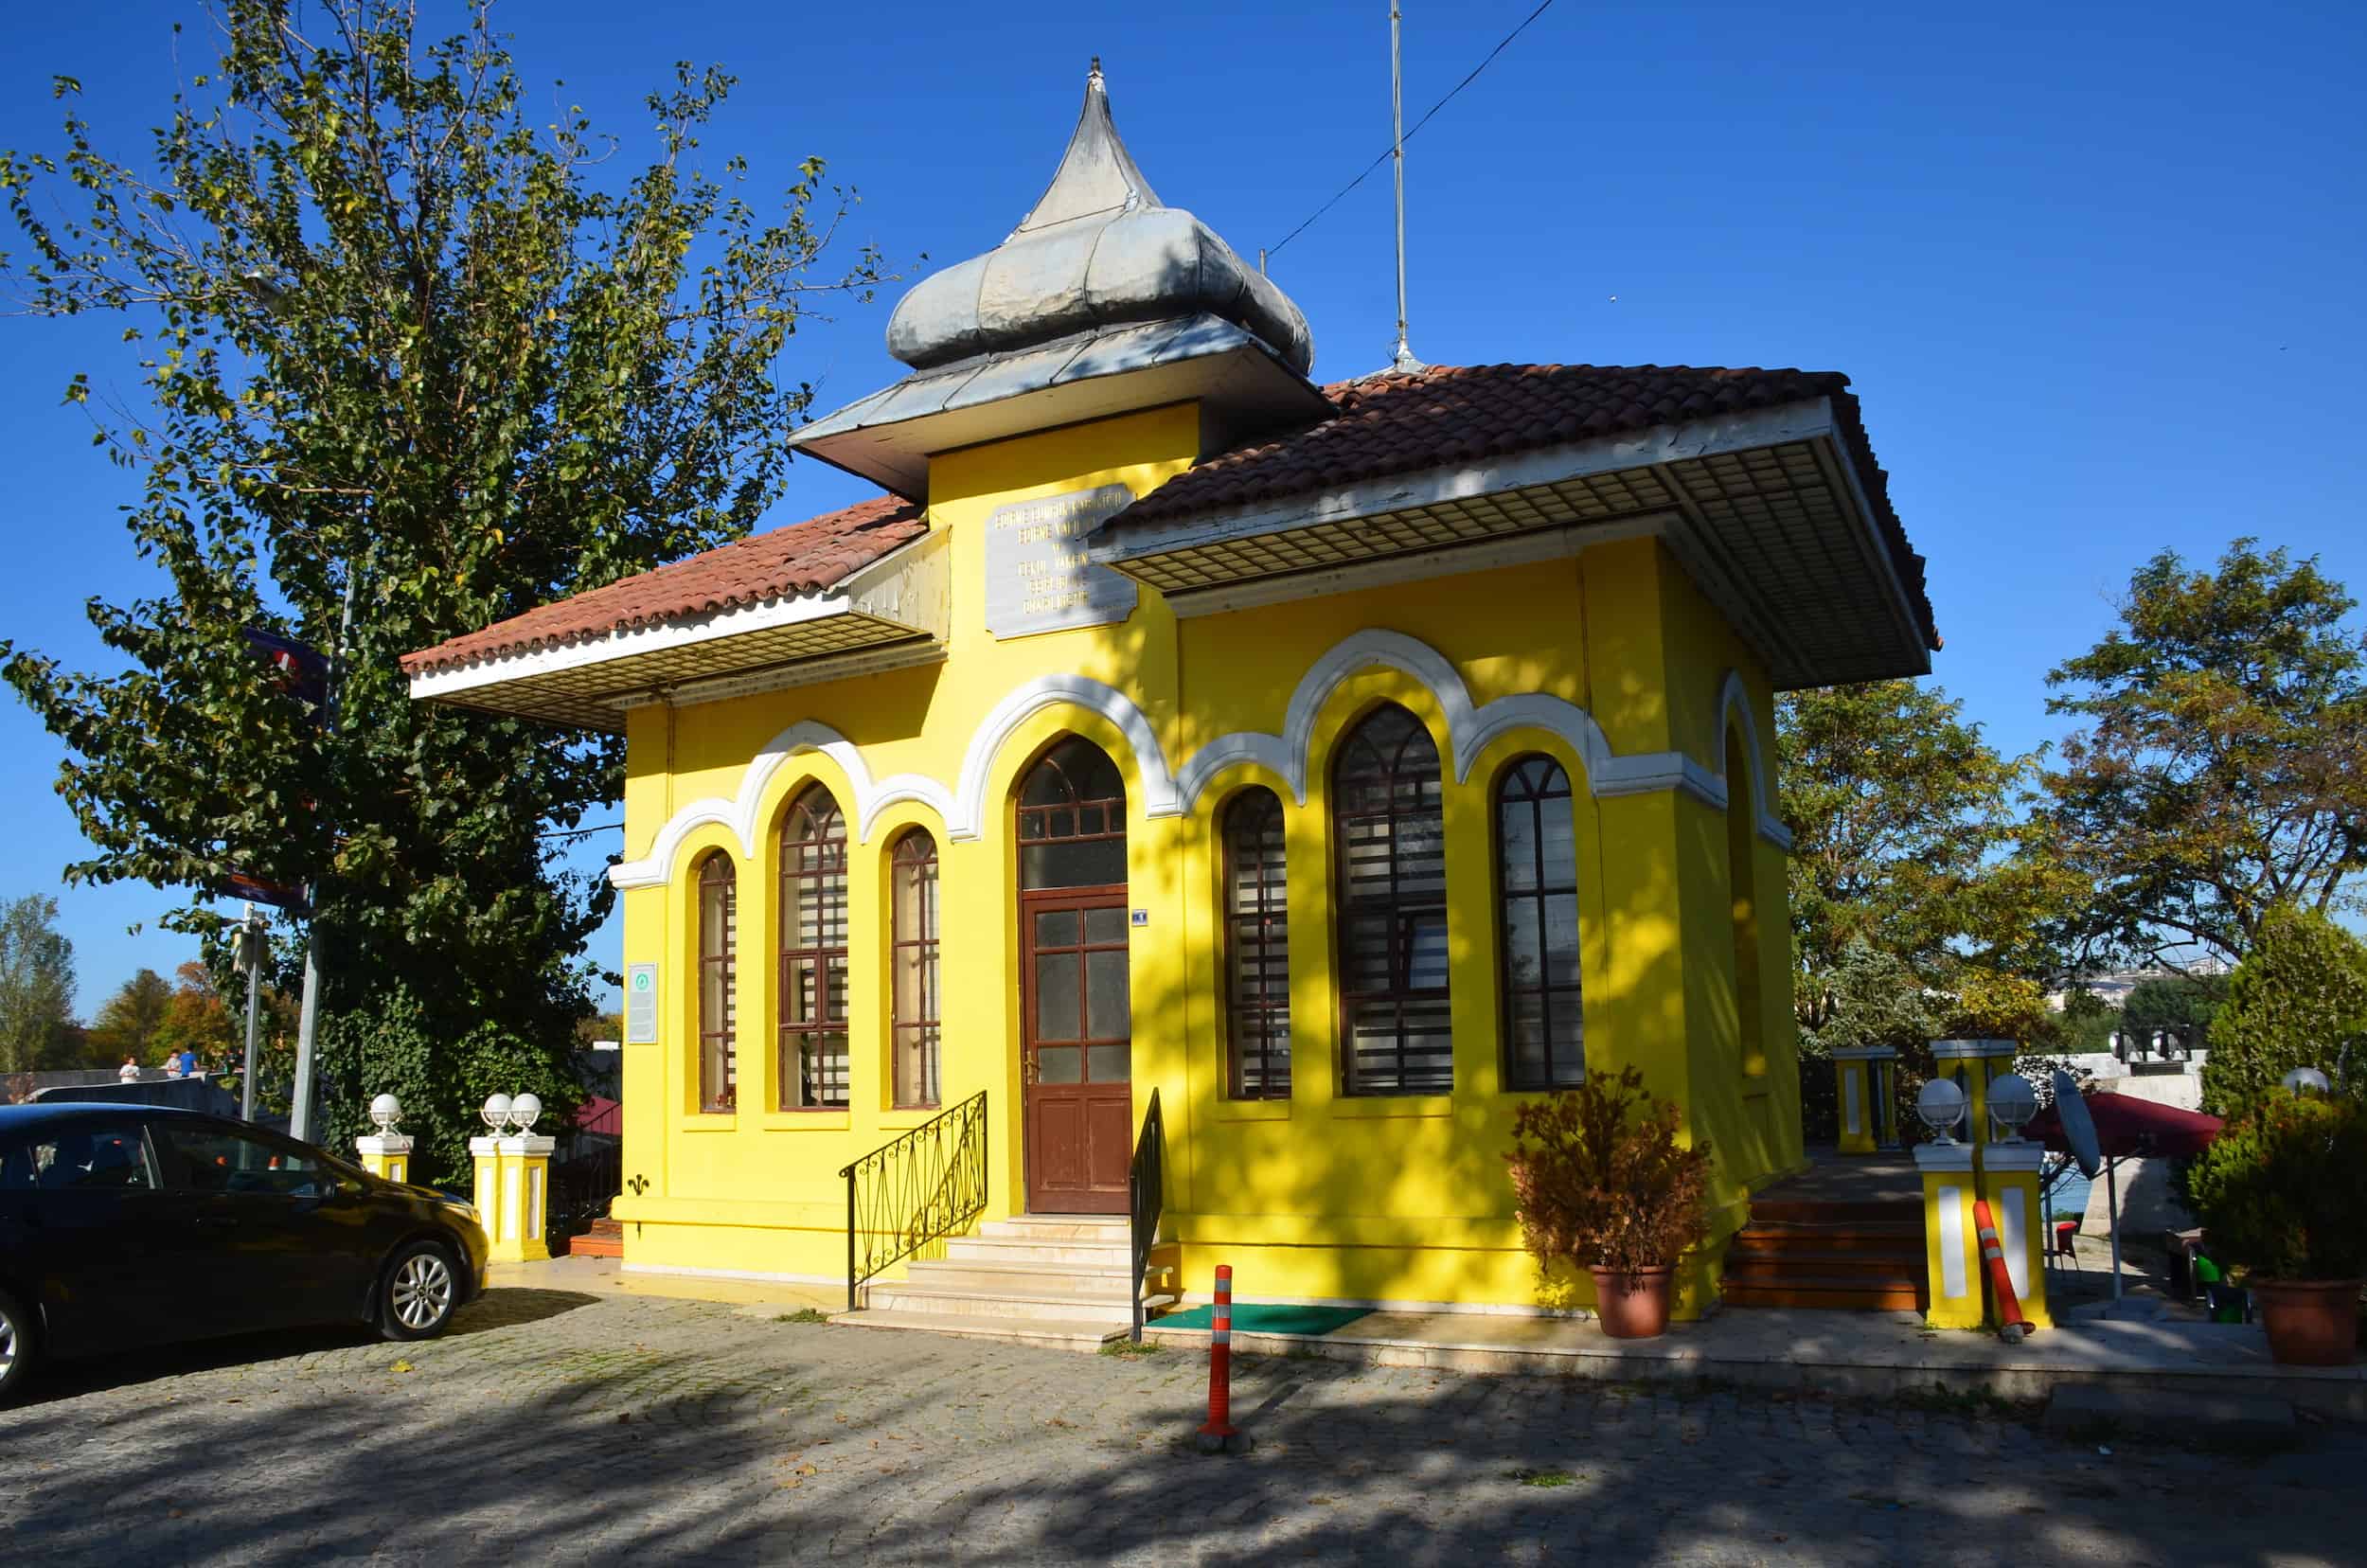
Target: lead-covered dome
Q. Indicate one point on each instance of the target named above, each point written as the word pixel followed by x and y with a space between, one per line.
pixel 1099 247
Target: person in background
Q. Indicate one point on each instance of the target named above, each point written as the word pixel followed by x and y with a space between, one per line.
pixel 172 1066
pixel 189 1063
pixel 129 1072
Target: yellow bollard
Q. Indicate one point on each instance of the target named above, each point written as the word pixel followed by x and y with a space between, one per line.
pixel 1952 1245
pixel 1862 1083
pixel 2009 1179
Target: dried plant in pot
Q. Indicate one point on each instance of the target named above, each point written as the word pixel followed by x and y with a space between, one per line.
pixel 2283 1193
pixel 1603 1184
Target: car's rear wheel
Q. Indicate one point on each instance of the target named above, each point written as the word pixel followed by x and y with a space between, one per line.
pixel 420 1293
pixel 16 1345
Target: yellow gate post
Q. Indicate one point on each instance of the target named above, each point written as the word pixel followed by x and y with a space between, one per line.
pixel 2009 1179
pixel 1969 1064
pixel 513 1179
pixel 1951 1242
pixel 1862 1083
pixel 386 1153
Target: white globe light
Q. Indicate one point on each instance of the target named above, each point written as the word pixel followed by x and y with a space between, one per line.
pixel 496 1112
pixel 2305 1080
pixel 385 1111
pixel 2012 1103
pixel 1942 1106
pixel 524 1110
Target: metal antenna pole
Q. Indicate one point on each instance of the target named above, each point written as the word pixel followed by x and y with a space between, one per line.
pixel 254 998
pixel 1402 360
pixel 300 1110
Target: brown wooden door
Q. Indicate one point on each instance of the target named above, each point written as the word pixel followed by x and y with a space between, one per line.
pixel 1077 1033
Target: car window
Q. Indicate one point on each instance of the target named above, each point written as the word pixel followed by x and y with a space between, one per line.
pixel 100 1157
pixel 208 1159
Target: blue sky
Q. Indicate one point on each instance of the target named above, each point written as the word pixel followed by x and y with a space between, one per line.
pixel 2096 271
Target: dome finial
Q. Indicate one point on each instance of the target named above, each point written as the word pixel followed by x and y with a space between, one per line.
pixel 1093 79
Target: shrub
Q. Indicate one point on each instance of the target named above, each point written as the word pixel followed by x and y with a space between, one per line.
pixel 1598 1186
pixel 2284 1190
pixel 2299 999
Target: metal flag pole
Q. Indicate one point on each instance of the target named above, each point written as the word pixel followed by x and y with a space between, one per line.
pixel 300 1110
pixel 1402 360
pixel 252 937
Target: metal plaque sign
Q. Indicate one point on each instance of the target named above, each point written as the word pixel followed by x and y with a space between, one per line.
pixel 1037 577
pixel 640 1004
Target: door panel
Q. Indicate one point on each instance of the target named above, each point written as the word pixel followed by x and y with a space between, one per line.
pixel 1079 1049
pixel 281 1232
pixel 95 1235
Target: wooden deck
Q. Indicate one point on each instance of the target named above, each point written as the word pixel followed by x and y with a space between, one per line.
pixel 1845 1233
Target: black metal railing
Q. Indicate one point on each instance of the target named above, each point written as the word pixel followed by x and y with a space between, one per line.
pixel 583 1184
pixel 1147 1185
pixel 903 1195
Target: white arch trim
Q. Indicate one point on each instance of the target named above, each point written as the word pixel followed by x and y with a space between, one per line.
pixel 968 818
pixel 1734 706
pixel 740 813
pixel 1472 728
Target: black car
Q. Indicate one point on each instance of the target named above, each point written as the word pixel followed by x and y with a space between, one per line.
pixel 125 1225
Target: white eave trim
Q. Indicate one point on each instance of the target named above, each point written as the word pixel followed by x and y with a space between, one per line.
pixel 900 588
pixel 1796 421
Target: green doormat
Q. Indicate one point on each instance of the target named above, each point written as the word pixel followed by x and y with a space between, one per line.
pixel 1252 1318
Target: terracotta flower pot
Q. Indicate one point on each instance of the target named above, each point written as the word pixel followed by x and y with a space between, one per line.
pixel 1632 1305
pixel 2311 1322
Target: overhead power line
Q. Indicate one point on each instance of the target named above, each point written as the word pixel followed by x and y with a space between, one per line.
pixel 1501 44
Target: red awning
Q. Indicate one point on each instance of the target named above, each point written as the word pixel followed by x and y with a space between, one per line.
pixel 600 1114
pixel 2128 1126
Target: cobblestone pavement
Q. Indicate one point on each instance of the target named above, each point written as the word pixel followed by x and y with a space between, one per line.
pixel 554 1426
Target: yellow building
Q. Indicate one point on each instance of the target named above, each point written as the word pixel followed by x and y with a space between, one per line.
pixel 1329 766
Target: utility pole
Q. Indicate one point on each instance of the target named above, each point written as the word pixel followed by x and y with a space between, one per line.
pixel 251 951
pixel 300 1111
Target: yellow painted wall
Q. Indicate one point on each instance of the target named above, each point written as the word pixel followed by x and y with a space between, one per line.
pixel 1399 1199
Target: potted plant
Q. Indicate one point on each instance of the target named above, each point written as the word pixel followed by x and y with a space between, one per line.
pixel 2281 1192
pixel 1602 1184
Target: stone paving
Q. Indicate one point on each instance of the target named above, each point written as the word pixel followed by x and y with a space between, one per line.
pixel 556 1426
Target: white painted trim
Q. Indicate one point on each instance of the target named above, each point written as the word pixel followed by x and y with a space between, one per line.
pixel 1849 1102
pixel 740 813
pixel 1951 1242
pixel 630 642
pixel 1160 799
pixel 1805 420
pixel 1378 1304
pixel 1734 699
pixel 2013 1237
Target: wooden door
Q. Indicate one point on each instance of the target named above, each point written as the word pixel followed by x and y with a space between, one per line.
pixel 1079 1044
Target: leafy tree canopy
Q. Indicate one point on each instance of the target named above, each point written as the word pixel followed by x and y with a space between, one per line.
pixel 413 363
pixel 36 987
pixel 2299 999
pixel 128 1022
pixel 2222 769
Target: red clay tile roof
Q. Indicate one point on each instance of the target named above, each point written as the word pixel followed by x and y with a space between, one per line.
pixel 1459 413
pixel 798 558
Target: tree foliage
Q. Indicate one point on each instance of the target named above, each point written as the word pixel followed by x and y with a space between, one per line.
pixel 2283 1189
pixel 36 987
pixel 129 1022
pixel 198 1018
pixel 408 352
pixel 1899 810
pixel 2222 769
pixel 2299 999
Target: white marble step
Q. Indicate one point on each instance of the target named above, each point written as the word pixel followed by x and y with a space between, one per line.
pixel 1058 1333
pixel 1024 1250
pixel 1015 1300
pixel 1113 1280
pixel 1109 1231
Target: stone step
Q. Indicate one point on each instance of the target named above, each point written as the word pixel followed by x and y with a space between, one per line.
pixel 1831 1211
pixel 1841 1294
pixel 1027 1249
pixel 595 1245
pixel 1113 1280
pixel 1109 1230
pixel 1864 1237
pixel 1048 1332
pixel 1907 1267
pixel 1015 1301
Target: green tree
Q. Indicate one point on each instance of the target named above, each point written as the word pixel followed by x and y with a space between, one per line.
pixel 2183 1002
pixel 414 364
pixel 36 986
pixel 1899 811
pixel 196 1019
pixel 2299 999
pixel 2222 769
pixel 128 1020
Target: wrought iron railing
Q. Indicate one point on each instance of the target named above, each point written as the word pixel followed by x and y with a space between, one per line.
pixel 1147 1184
pixel 903 1195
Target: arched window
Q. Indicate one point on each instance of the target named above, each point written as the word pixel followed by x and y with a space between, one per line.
pixel 1257 948
pixel 718 966
pixel 1742 881
pixel 1072 819
pixel 812 1071
pixel 1386 819
pixel 912 968
pixel 1536 881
